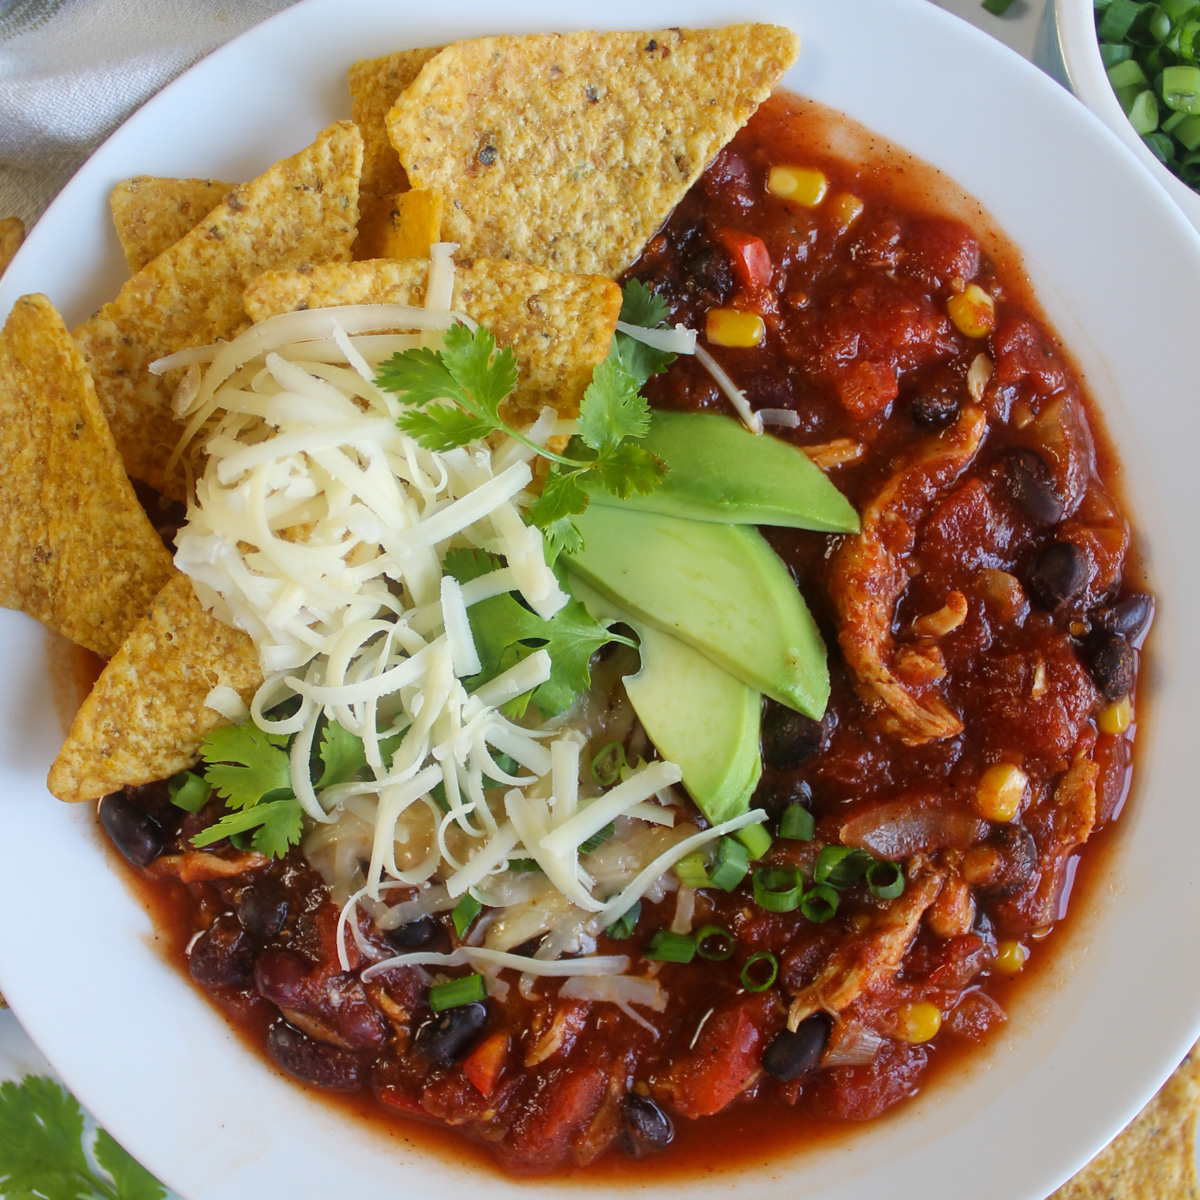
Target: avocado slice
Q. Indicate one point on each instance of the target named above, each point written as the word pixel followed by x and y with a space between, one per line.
pixel 720 588
pixel 717 470
pixel 698 715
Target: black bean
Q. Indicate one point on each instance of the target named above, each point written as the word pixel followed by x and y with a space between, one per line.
pixel 789 738
pixel 452 1033
pixel 1110 660
pixel 648 1125
pixel 794 1054
pixel 262 908
pixel 314 1062
pixel 1031 486
pixel 1017 858
pixel 710 273
pixel 222 956
pixel 414 935
pixel 932 411
pixel 134 832
pixel 1058 574
pixel 1130 617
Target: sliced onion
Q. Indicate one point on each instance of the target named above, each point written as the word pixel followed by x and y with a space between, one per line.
pixel 896 829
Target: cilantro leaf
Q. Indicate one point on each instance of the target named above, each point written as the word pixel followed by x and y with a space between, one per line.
pixel 641 306
pixel 627 469
pixel 419 375
pixel 442 426
pixel 562 496
pixel 275 826
pixel 637 359
pixel 245 763
pixel 573 637
pixel 42 1155
pixel 612 408
pixel 482 373
pixel 132 1180
pixel 342 754
pixel 562 537
pixel 466 564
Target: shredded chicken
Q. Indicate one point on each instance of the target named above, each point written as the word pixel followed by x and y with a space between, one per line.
pixel 861 961
pixel 837 453
pixel 870 574
pixel 947 618
pixel 557 1034
pixel 198 866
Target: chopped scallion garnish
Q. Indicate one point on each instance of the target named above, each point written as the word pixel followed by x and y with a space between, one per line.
pixel 465 911
pixel 756 839
pixel 714 943
pixel 797 824
pixel 819 903
pixel 729 865
pixel 885 880
pixel 188 791
pixel 607 764
pixel 623 926
pixel 454 993
pixel 666 946
pixel 760 971
pixel 692 870
pixel 841 867
pixel 777 889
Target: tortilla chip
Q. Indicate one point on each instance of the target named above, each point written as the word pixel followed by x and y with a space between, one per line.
pixel 570 150
pixel 12 234
pixel 374 85
pixel 145 719
pixel 1155 1157
pixel 76 548
pixel 303 210
pixel 404 225
pixel 153 214
pixel 559 326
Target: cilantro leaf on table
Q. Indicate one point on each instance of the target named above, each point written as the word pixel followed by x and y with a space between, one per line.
pixel 244 763
pixel 42 1154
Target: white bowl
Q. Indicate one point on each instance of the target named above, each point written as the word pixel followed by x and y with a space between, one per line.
pixel 1094 1034
pixel 1075 37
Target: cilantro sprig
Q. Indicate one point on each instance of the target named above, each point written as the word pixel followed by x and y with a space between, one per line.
pixel 454 397
pixel 43 1154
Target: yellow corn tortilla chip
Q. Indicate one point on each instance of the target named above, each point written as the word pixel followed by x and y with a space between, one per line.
pixel 374 85
pixel 12 234
pixel 403 225
pixel 146 718
pixel 570 150
pixel 152 214
pixel 1154 1158
pixel 76 548
pixel 303 210
pixel 559 326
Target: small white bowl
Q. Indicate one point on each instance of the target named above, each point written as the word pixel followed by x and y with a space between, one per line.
pixel 1074 38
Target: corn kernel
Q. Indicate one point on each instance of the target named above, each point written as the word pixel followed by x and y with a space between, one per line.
pixel 972 311
pixel 918 1022
pixel 846 209
pixel 1116 718
pixel 1000 791
pixel 800 185
pixel 1010 957
pixel 732 327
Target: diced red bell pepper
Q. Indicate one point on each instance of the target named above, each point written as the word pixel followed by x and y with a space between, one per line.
pixel 484 1064
pixel 868 387
pixel 751 259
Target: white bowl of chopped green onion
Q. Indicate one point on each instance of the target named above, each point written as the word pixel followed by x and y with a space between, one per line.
pixel 1136 65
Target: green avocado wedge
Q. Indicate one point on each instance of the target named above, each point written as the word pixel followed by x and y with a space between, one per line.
pixel 717 470
pixel 720 588
pixel 697 715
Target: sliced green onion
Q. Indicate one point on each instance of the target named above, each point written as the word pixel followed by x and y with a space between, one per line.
pixel 1177 8
pixel 622 927
pixel 797 824
pixel 997 7
pixel 454 993
pixel 714 933
pixel 729 864
pixel 885 880
pixel 1181 89
pixel 1189 169
pixel 692 870
pixel 597 839
pixel 841 866
pixel 1159 25
pixel 1187 39
pixel 188 791
pixel 1143 113
pixel 756 839
pixel 1118 20
pixel 465 911
pixel 1127 74
pixel 606 766
pixel 819 903
pixel 1160 145
pixel 666 946
pixel 754 977
pixel 777 889
pixel 1111 53
pixel 523 864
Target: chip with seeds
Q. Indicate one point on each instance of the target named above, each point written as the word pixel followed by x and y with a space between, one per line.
pixel 404 225
pixel 559 326
pixel 12 234
pixel 152 214
pixel 570 150
pixel 303 210
pixel 76 548
pixel 374 85
pixel 1154 1158
pixel 146 717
